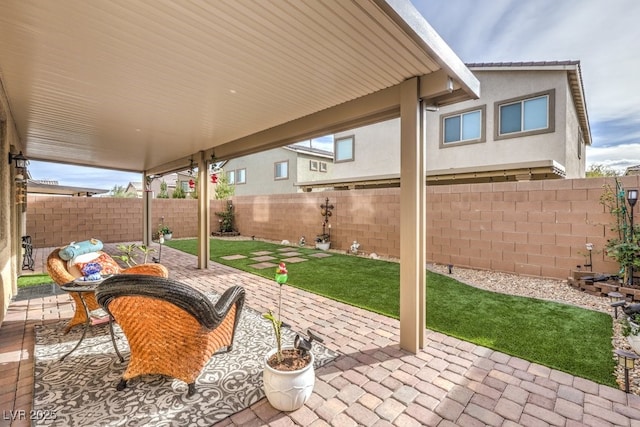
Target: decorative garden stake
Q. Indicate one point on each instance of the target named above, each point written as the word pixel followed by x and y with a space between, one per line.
pixel 323 241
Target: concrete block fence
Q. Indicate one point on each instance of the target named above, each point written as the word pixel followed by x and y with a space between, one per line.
pixel 534 228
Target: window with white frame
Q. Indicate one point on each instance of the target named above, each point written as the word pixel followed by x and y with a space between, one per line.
pixel 241 176
pixel 323 166
pixel 313 165
pixel 281 170
pixel 343 149
pixel 465 127
pixel 231 177
pixel 524 116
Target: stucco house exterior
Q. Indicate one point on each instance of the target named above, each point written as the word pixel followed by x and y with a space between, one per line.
pixel 276 171
pixel 529 123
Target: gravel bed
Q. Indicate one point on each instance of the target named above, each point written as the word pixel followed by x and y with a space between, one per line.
pixel 550 290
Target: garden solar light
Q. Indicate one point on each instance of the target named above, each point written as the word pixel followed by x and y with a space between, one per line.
pixel 615 306
pixel 626 359
pixel 590 248
pixel 632 197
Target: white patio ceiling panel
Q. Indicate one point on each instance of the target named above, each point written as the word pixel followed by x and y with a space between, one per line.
pixel 136 84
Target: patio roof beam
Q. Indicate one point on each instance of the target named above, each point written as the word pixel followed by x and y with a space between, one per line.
pixel 369 109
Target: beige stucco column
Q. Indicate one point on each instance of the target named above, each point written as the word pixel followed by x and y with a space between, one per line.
pixel 412 219
pixel 204 213
pixel 147 199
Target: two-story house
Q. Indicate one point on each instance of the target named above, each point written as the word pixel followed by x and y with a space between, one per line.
pixel 278 170
pixel 529 123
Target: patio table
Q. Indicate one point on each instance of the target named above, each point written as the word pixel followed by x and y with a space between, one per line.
pixel 82 288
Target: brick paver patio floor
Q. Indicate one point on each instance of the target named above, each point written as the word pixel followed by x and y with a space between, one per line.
pixel 372 383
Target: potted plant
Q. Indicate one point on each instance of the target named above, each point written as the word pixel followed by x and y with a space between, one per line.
pixel 165 231
pixel 323 241
pixel 288 374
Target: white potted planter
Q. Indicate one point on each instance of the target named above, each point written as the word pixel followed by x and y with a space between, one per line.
pixel 288 390
pixel 323 245
pixel 634 342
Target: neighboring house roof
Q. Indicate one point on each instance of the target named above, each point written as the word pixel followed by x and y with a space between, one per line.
pixel 136 185
pixel 547 169
pixel 575 83
pixel 310 150
pixel 52 187
pixel 632 170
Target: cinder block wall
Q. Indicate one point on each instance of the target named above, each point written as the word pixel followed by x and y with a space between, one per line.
pixel 56 221
pixel 536 228
pixel 372 217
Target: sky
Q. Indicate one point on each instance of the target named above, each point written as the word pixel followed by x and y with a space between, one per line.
pixel 602 34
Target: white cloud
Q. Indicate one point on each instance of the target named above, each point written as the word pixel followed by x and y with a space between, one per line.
pixel 617 157
pixel 79 176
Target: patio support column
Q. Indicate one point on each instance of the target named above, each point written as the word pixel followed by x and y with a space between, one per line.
pixel 412 219
pixel 204 213
pixel 147 198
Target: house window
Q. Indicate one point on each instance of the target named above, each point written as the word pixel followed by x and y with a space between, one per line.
pixel 323 166
pixel 580 142
pixel 463 127
pixel 241 176
pixel 313 165
pixel 529 115
pixel 231 177
pixel 343 149
pixel 282 170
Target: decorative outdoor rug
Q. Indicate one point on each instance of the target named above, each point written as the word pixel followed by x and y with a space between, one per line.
pixel 81 389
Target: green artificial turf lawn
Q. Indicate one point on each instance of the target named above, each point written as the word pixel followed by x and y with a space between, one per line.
pixel 33 280
pixel 559 336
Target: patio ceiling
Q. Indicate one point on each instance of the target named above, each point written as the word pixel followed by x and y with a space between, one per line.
pixel 143 85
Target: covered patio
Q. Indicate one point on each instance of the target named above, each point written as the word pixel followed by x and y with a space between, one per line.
pixel 155 87
pixel 372 382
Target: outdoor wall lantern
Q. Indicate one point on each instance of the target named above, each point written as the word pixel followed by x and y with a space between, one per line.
pixel 627 360
pixel 20 159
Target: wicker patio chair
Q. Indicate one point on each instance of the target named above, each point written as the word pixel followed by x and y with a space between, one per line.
pixel 57 269
pixel 172 328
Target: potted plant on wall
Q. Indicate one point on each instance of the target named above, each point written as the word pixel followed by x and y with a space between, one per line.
pixel 288 375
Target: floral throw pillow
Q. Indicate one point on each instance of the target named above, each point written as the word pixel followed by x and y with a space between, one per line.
pixel 76 265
